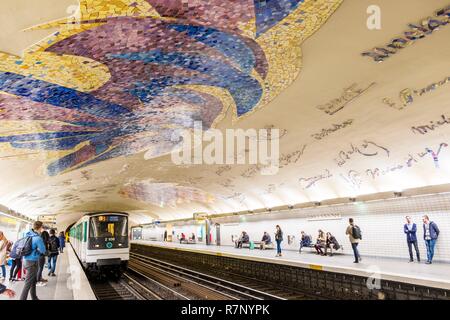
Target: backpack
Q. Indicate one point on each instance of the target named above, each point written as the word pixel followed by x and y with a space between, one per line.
pixel 356 232
pixel 23 247
pixel 53 244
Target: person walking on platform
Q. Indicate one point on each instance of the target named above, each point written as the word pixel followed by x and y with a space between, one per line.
pixel 354 235
pixel 62 241
pixel 3 249
pixel 410 230
pixel 53 250
pixel 278 239
pixel 16 264
pixel 41 263
pixel 430 235
pixel 31 261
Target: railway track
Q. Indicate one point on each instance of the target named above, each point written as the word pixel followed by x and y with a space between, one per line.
pixel 126 288
pixel 201 284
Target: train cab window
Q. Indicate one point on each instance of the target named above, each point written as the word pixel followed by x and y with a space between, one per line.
pixel 108 231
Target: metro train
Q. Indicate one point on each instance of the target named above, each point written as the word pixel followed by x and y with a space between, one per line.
pixel 100 240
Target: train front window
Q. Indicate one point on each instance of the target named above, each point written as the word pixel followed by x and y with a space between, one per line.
pixel 108 231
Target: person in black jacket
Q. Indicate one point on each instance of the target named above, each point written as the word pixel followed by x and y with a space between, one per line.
pixel 41 263
pixel 331 243
pixel 53 249
pixel 410 229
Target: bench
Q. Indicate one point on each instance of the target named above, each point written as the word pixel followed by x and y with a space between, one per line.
pixel 187 241
pixel 257 245
pixel 313 246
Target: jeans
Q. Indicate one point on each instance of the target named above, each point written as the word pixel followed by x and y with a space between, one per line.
pixel 52 263
pixel 416 247
pixel 430 249
pixel 31 268
pixel 279 246
pixel 40 267
pixel 3 270
pixel 356 252
pixel 15 267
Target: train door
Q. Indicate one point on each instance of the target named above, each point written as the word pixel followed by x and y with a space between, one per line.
pixel 217 234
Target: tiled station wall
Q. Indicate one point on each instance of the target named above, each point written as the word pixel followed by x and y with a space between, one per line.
pixel 381 223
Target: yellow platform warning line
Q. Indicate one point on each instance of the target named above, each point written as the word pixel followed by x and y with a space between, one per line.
pixel 316 267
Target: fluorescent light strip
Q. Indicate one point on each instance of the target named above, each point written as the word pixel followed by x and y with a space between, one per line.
pixel 14 217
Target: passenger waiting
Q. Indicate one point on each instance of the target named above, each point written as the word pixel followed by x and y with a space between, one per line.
pixel 331 243
pixel 266 240
pixel 31 261
pixel 182 238
pixel 354 235
pixel 193 238
pixel 305 241
pixel 62 241
pixel 320 242
pixel 410 230
pixel 278 239
pixel 53 252
pixel 430 235
pixel 244 238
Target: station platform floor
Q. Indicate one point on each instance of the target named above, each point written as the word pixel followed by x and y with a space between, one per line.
pixel 70 282
pixel 436 275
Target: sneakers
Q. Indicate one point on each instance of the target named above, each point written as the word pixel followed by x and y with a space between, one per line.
pixel 41 284
pixel 53 275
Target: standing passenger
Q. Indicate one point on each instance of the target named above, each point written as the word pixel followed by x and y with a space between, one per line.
pixel 3 247
pixel 278 239
pixel 410 230
pixel 62 241
pixel 31 261
pixel 165 235
pixel 53 248
pixel 41 263
pixel 430 235
pixel 354 234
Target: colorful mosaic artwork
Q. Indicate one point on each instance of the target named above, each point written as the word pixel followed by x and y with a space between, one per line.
pixel 120 77
pixel 164 194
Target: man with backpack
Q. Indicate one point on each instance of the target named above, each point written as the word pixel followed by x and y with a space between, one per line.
pixel 31 248
pixel 53 248
pixel 354 235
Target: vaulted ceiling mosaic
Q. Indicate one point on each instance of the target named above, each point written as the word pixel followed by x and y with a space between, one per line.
pixel 115 79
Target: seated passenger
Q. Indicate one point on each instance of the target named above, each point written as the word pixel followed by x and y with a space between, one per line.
pixel 182 238
pixel 192 238
pixel 331 243
pixel 305 241
pixel 320 242
pixel 244 238
pixel 265 241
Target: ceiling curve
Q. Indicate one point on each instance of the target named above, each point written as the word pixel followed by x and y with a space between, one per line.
pixel 92 93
